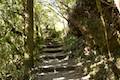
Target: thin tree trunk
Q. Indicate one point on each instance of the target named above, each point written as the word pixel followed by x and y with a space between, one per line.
pixel 29 25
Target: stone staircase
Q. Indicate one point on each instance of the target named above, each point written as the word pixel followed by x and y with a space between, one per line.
pixel 55 64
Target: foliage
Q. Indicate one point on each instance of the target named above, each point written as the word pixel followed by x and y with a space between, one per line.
pixel 11 41
pixel 74 46
pixel 94 33
pixel 96 23
pixel 13 35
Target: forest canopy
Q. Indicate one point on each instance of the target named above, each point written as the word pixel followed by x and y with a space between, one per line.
pixel 88 30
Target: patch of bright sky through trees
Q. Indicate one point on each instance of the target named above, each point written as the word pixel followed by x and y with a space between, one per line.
pixel 59 25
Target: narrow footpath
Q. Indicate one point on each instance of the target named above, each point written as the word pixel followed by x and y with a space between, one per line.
pixel 56 63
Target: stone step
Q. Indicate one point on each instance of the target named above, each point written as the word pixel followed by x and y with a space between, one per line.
pixel 57 68
pixel 55 51
pixel 53 54
pixel 54 61
pixel 64 75
pixel 53 41
pixel 58 49
pixel 46 69
pixel 52 46
pixel 61 64
pixel 47 56
pixel 58 63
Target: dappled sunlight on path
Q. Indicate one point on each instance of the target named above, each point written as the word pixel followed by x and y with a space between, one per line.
pixel 56 64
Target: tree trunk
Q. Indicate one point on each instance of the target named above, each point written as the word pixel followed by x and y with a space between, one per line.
pixel 29 31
